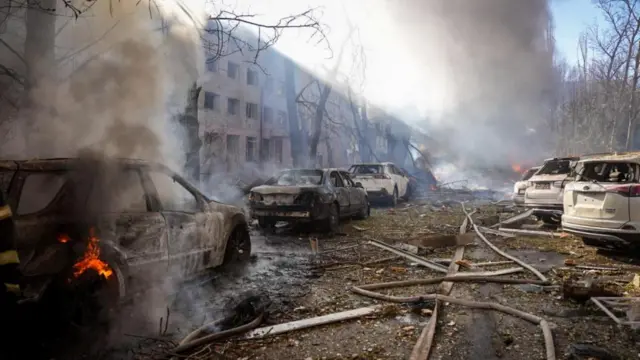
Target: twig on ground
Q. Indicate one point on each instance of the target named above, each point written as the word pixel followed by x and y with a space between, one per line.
pixel 186 346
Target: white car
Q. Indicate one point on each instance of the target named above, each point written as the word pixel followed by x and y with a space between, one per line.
pixel 544 193
pixel 602 205
pixel 521 186
pixel 382 181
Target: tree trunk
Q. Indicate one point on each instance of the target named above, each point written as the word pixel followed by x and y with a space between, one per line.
pixel 295 136
pixel 189 122
pixel 317 122
pixel 330 159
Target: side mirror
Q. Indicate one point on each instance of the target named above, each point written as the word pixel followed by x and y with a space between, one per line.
pixel 359 185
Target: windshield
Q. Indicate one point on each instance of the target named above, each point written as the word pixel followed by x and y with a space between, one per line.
pixel 617 172
pixel 555 167
pixel 299 177
pixel 366 169
pixel 528 174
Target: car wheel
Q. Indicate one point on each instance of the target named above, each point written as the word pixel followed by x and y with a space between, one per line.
pixel 394 197
pixel 550 220
pixel 332 222
pixel 365 211
pixel 238 246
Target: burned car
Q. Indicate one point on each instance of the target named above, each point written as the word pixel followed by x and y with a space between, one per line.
pixel 321 196
pixel 544 193
pixel 132 222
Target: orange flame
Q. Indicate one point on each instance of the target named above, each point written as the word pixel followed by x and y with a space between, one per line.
pixel 517 168
pixel 63 238
pixel 91 259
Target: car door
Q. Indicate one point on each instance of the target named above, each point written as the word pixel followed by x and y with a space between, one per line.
pixel 401 179
pixel 181 208
pixel 356 195
pixel 130 214
pixel 341 193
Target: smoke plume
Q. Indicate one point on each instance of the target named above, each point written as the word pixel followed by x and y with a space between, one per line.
pixel 489 63
pixel 122 72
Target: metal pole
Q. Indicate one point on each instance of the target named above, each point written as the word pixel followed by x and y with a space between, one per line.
pixel 260 149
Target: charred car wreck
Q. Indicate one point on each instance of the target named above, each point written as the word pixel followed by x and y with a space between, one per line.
pixel 318 196
pixel 133 223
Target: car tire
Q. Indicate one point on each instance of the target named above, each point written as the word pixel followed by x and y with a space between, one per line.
pixel 394 198
pixel 332 223
pixel 365 211
pixel 238 249
pixel 549 220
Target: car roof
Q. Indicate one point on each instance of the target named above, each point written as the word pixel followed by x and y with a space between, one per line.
pixel 378 163
pixel 616 156
pixel 57 164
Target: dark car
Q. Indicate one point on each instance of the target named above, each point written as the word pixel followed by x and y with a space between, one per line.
pixel 322 196
pixel 135 223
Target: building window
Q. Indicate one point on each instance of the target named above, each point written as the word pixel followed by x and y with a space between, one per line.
pixel 267 115
pixel 252 77
pixel 252 110
pixel 266 146
pixel 280 88
pixel 232 70
pixel 268 84
pixel 251 149
pixel 210 100
pixel 278 150
pixel 282 118
pixel 212 65
pixel 233 144
pixel 211 137
pixel 232 106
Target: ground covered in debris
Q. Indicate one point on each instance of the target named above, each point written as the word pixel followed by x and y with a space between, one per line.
pixel 301 283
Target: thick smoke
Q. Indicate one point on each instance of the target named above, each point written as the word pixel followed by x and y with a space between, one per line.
pixel 131 66
pixel 489 64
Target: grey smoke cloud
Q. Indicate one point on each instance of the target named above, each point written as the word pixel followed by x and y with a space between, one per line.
pixel 493 62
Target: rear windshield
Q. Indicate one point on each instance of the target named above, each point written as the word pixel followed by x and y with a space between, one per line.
pixel 556 167
pixel 616 172
pixel 528 174
pixel 366 169
pixel 299 177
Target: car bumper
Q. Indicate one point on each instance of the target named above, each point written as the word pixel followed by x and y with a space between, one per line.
pixel 290 212
pixel 518 200
pixel 378 194
pixel 602 237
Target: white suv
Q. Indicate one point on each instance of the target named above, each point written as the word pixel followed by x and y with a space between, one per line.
pixel 521 186
pixel 603 205
pixel 382 181
pixel 545 189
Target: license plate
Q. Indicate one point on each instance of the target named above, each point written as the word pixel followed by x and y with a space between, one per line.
pixel 543 186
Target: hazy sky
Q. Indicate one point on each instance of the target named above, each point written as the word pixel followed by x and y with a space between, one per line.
pixel 390 67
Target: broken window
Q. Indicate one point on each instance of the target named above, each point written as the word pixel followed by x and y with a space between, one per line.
pixel 336 180
pixel 39 191
pixel 366 169
pixel 210 100
pixel 252 110
pixel 278 149
pixel 172 195
pixel 212 65
pixel 528 174
pixel 299 177
pixel 617 172
pixel 252 77
pixel 282 118
pixel 232 106
pixel 347 180
pixel 233 144
pixel 556 167
pixel 251 149
pixel 267 115
pixel 120 192
pixel 232 70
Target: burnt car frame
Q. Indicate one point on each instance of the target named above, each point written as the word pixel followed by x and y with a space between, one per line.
pixel 160 227
pixel 320 196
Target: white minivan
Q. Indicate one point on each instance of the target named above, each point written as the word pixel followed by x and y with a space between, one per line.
pixel 382 181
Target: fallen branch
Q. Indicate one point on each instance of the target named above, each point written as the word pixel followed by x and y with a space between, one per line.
pixel 480 264
pixel 217 336
pixel 513 219
pixel 546 330
pixel 472 277
pixel 426 263
pixel 533 232
pixel 310 322
pixel 504 254
pixel 496 232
